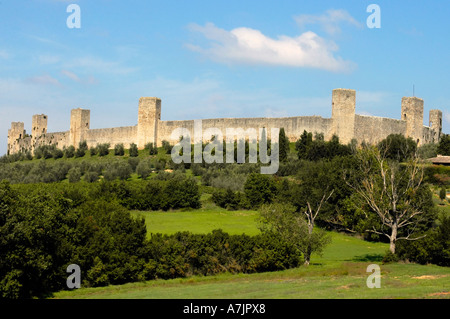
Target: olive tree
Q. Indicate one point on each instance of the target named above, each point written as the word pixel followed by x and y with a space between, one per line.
pixel 285 220
pixel 393 193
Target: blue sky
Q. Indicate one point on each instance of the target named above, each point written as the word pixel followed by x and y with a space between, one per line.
pixel 208 59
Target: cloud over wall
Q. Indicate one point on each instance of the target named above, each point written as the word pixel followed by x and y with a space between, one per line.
pixel 252 47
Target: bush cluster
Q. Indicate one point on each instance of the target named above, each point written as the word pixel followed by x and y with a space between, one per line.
pixel 229 199
pixel 186 254
pixel 175 193
pixel 44 229
pixel 314 150
pixel 434 248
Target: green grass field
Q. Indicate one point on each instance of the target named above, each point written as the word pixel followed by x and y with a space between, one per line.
pixel 339 273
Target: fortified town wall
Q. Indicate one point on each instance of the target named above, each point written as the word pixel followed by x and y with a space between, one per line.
pixel 150 129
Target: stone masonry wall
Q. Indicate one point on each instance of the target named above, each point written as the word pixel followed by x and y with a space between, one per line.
pixel 372 129
pixel 344 123
pixel 118 135
pixel 294 126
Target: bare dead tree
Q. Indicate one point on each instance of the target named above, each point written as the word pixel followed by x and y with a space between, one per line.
pixel 389 191
pixel 311 213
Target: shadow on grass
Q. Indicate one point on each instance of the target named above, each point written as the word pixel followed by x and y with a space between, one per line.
pixel 369 258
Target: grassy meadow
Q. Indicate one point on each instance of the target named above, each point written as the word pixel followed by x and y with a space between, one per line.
pixel 339 273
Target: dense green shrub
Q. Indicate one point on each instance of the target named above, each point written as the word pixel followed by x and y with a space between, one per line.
pixel 314 150
pixel 442 193
pixel 20 156
pixel 117 170
pixel 90 176
pixel 144 168
pixel 167 147
pixel 259 189
pixel 444 145
pixel 398 147
pixel 119 150
pixel 134 152
pixel 74 175
pixel 57 153
pixel 103 149
pixel 433 248
pixel 151 149
pixel 44 228
pixel 427 151
pixel 229 199
pixel 36 242
pixel 133 162
pixel 437 174
pixel 283 142
pixel 69 152
pixel 45 152
pixel 93 150
pixel 81 150
pixel 185 254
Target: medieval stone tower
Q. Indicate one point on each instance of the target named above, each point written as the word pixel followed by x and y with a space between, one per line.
pixel 38 127
pixel 412 113
pixel 343 114
pixel 15 134
pixel 149 115
pixel 436 123
pixel 79 125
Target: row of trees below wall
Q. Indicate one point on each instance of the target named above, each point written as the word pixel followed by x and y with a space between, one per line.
pixel 308 147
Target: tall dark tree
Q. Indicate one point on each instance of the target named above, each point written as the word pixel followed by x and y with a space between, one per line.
pixel 283 142
pixel 398 147
pixel 134 150
pixel 303 144
pixel 444 145
pixel 259 189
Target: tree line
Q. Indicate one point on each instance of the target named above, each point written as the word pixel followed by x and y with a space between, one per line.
pixel 43 230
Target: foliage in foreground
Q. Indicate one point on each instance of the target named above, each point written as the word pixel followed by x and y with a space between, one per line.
pixel 434 248
pixel 44 230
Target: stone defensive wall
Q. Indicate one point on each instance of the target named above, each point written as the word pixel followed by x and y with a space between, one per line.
pixel 344 123
pixel 118 135
pixel 294 126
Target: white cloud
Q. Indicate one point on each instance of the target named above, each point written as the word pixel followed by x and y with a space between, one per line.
pixel 44 80
pixel 330 21
pixel 71 75
pixel 250 46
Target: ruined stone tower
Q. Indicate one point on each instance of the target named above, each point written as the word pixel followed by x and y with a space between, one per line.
pixel 38 127
pixel 79 125
pixel 15 134
pixel 343 114
pixel 436 124
pixel 149 115
pixel 412 113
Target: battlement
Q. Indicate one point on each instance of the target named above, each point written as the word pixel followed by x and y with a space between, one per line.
pixel 344 123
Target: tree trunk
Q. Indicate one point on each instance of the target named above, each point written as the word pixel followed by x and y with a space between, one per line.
pixel 308 249
pixel 307 256
pixel 393 238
